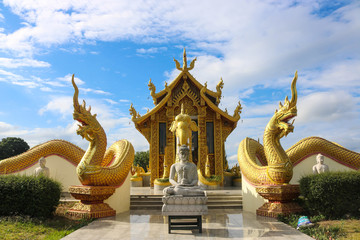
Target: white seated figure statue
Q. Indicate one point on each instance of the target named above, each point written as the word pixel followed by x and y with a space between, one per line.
pixel 42 170
pixel 320 167
pixel 187 176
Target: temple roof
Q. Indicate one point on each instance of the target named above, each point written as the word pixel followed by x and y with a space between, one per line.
pixel 211 98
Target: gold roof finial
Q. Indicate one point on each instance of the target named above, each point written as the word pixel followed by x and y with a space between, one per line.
pixel 184 67
pixel 184 60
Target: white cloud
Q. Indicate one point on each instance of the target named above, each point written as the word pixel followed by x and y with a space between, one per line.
pixel 143 51
pixel 67 79
pixel 112 102
pixel 62 105
pixel 327 107
pixel 67 21
pixel 16 79
pixel 343 74
pixel 41 135
pixel 90 90
pixel 22 62
pixel 10 130
pixel 10 75
pixel 248 43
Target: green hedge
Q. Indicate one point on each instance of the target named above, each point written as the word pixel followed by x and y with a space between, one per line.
pixel 28 195
pixel 332 194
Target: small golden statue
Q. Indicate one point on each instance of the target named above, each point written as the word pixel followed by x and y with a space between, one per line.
pixel 183 127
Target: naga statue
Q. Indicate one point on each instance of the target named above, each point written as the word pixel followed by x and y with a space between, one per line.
pixel 95 167
pixel 98 166
pixel 279 169
pixel 277 164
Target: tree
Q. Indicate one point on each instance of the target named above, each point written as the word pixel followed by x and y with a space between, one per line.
pixel 142 158
pixel 12 146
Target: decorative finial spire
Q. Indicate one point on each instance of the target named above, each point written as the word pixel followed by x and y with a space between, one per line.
pixel 184 60
pixel 184 67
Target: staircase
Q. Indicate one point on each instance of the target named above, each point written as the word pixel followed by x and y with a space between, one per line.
pixel 146 202
pixel 216 200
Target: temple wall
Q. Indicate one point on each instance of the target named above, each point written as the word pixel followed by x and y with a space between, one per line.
pixel 60 170
pixel 305 167
pixel 120 200
pixel 252 200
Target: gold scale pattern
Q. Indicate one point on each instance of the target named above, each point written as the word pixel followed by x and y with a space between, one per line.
pixel 279 163
pixel 62 148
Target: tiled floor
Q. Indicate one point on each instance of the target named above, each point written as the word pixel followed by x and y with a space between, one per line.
pixel 218 224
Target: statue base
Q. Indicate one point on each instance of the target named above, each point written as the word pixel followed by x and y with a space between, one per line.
pixel 159 186
pixel 281 200
pixel 91 203
pixel 136 182
pixel 179 205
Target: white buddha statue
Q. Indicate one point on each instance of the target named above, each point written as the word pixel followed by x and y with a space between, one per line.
pixel 187 177
pixel 320 167
pixel 42 170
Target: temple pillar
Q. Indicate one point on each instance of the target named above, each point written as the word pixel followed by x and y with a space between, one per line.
pixel 154 150
pixel 218 144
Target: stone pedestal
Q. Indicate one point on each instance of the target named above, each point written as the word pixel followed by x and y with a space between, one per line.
pixel 280 200
pixel 211 186
pixel 179 205
pixel 136 182
pixel 159 186
pixel 91 203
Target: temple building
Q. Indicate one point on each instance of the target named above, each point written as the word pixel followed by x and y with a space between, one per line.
pixel 202 104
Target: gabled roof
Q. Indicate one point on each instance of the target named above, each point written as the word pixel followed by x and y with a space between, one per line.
pixel 162 97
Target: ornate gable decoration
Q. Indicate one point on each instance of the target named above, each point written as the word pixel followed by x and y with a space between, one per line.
pixel 186 91
pixel 186 86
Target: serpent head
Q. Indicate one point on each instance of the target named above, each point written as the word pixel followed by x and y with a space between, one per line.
pixel 89 127
pixel 280 122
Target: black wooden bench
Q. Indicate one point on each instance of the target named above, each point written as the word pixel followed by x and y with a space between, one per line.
pixel 187 224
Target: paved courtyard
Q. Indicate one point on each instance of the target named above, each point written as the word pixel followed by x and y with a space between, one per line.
pixel 218 224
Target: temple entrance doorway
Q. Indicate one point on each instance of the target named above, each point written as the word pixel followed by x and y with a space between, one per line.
pixel 194 143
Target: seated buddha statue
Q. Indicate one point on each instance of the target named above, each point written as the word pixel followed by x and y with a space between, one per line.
pixel 187 176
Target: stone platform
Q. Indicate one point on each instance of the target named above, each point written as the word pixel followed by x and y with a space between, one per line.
pixel 184 205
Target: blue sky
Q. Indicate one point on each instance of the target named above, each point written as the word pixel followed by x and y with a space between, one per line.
pixel 115 47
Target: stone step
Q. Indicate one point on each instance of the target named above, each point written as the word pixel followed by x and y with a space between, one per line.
pixel 228 198
pixel 146 203
pixel 215 201
pixel 159 207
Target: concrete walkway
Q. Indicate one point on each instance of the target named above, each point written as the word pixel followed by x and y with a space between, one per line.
pixel 217 224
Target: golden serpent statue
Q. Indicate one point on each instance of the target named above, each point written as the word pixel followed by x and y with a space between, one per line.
pixel 95 167
pixel 279 163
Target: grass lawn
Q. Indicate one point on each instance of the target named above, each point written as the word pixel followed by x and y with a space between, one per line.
pixel 351 228
pixel 17 227
pixel 327 229
pixel 29 228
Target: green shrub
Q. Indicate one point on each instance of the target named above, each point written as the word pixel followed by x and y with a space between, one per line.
pixel 28 195
pixel 214 178
pixel 332 194
pixel 162 180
